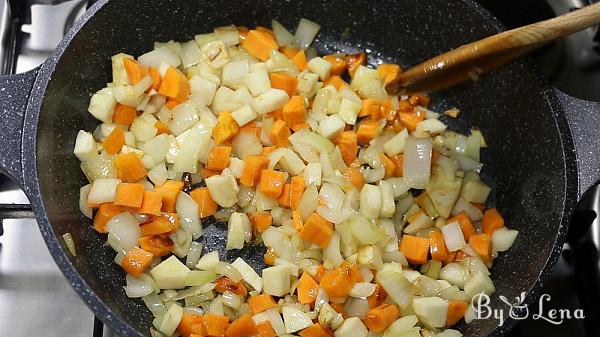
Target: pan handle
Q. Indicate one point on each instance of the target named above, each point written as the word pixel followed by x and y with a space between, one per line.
pixel 14 96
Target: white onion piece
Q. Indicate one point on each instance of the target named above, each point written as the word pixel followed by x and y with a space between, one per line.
pixel 332 195
pixel 321 299
pixel 274 318
pixel 182 241
pixel 187 209
pixel 193 256
pixel 70 243
pixel 140 286
pixel 468 164
pixel 246 144
pixel 232 300
pixel 473 212
pixel 282 35
pixel 332 257
pixel 309 201
pixel 306 33
pixel 503 239
pixel 154 304
pixel 453 236
pixel 356 307
pixel 103 190
pixel 400 290
pixel 123 232
pixel 171 319
pixel 363 289
pixel 228 270
pixel 417 162
pixel 83 198
pixel 454 273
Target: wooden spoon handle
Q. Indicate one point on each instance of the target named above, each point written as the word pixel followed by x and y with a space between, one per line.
pixel 470 60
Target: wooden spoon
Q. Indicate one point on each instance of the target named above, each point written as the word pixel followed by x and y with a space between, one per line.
pixel 471 60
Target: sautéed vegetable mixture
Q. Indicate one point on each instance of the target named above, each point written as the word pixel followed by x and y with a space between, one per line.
pixel 373 212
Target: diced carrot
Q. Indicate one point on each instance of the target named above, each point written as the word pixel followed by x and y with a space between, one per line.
pixel 411 119
pixel 398 161
pixel 135 71
pixel 284 198
pixel 270 256
pixel 136 261
pixel 294 111
pixel 130 167
pixel 338 64
pixel 285 82
pixel 336 81
pixel 353 175
pixel 297 189
pixel 491 221
pixel 265 30
pixel 451 257
pixel 260 221
pixel 158 245
pixel 124 114
pixel 355 60
pixel 419 99
pixel 105 212
pixel 161 128
pixel 378 297
pixel 371 107
pixel 169 192
pixel 319 273
pixel 171 104
pixel 338 282
pixel 253 166
pixel 129 194
pixel 379 318
pixel 460 255
pixel 290 52
pixel 115 141
pixel 307 289
pixel 206 205
pixel 224 284
pixel 156 80
pixel 300 60
pixel 279 134
pixel 437 246
pixel 151 203
pixel 166 223
pixel 388 72
pixel 175 85
pixel 225 129
pixel 265 329
pixel 251 128
pixel 347 141
pixel 242 327
pixel 218 158
pixel 191 324
pixel 259 44
pixel 271 183
pixel 215 325
pixel 456 311
pixel 316 330
pixel 353 270
pixel 268 149
pixel 465 224
pixel 367 130
pixel 297 222
pixel 482 245
pixel 196 335
pixel 242 33
pixel 387 112
pixel 390 167
pixel 260 303
pixel 206 173
pixel 317 230
pixel 415 249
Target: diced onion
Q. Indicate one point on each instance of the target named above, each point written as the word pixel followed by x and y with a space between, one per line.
pixel 228 270
pixel 309 201
pixel 70 243
pixel 282 35
pixel 193 256
pixel 306 32
pixel 453 236
pixel 171 319
pixel 140 286
pixel 187 209
pixel 123 232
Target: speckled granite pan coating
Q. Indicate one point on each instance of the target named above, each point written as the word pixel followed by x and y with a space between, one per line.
pixel 530 162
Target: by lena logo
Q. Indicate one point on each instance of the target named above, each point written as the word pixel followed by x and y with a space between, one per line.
pixel 519 310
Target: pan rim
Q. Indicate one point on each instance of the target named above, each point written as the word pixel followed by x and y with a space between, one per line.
pixel 109 317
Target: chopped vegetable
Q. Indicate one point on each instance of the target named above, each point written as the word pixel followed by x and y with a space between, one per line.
pixel 317 230
pixel 492 220
pixel 136 261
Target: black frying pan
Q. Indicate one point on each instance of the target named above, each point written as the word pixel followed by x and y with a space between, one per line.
pixel 531 162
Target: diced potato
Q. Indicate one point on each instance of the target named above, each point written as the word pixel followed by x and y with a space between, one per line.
pixel 223 190
pixel 349 110
pixel 320 67
pixel 352 327
pixel 244 115
pixel 295 320
pixel 331 126
pixel 369 256
pixel 102 105
pixel 473 189
pixel 370 201
pixel 85 146
pixel 276 280
pixel 119 74
pixel 269 101
pixel 170 274
pixel 432 311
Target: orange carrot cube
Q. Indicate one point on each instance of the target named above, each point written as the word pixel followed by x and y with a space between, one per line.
pixel 415 249
pixel 253 166
pixel 271 183
pixel 218 158
pixel 206 205
pixel 259 44
pixel 129 194
pixel 225 129
pixel 317 230
pixel 130 167
pixel 284 82
pixel 136 261
pixel 279 134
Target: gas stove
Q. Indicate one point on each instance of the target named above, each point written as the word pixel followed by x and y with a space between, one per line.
pixel 32 286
